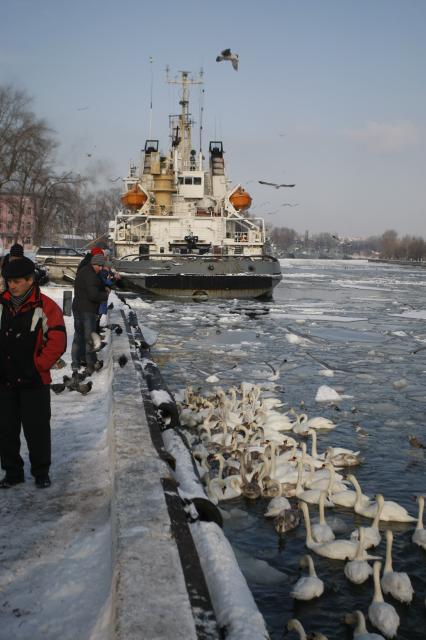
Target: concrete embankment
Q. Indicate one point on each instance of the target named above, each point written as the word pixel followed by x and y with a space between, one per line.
pixel 124 545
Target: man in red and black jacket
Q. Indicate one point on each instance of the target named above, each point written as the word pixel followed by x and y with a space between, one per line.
pixel 32 338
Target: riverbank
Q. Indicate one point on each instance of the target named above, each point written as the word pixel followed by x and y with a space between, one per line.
pixel 108 552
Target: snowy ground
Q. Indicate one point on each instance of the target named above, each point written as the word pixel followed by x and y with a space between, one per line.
pixel 55 551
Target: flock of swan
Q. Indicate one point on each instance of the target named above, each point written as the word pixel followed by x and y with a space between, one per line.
pixel 244 446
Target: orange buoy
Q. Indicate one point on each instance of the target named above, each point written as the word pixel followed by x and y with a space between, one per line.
pixel 240 199
pixel 134 198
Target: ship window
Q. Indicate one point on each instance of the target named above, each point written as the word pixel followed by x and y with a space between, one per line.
pixel 180 180
pixel 188 180
pixel 197 180
pixel 161 249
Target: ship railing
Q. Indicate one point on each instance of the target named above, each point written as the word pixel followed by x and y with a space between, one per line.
pixel 136 257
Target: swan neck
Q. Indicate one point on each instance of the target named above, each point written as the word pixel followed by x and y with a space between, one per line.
pixel 380 505
pixel 309 539
pixel 361 626
pixel 360 548
pixel 420 516
pixel 388 563
pixel 321 507
pixel 311 566
pixel 314 452
pixel 378 596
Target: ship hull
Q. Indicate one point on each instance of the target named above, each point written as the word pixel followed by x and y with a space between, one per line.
pixel 202 280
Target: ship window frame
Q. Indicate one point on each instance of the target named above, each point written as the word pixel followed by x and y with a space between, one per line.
pixel 188 180
pixel 197 181
pixel 180 180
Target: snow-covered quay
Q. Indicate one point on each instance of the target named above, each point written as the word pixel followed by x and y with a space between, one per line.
pixel 108 552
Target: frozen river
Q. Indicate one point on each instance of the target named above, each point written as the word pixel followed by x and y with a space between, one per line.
pixel 365 323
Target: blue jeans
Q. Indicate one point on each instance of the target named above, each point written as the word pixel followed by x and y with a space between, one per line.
pixel 82 345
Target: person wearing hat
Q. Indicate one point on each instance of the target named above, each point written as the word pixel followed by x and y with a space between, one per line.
pixel 32 339
pixel 89 293
pixel 16 251
pixel 94 251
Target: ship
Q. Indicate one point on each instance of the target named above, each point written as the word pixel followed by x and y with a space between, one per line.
pixel 183 231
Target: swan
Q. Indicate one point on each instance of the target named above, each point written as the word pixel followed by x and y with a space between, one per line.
pixel 391 512
pixel 342 459
pixel 312 496
pixel 277 505
pixel 419 535
pixel 287 520
pixel 348 498
pixel 358 570
pixel 322 532
pixel 397 583
pixel 321 423
pixel 308 587
pixel 323 483
pixel 300 424
pixel 360 631
pixel 295 625
pixel 381 614
pixel 336 549
pixel 372 534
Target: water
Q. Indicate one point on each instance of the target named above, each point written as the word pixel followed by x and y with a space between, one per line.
pixel 364 322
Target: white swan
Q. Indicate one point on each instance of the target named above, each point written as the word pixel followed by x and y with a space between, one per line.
pixel 312 496
pixel 397 583
pixel 336 549
pixel 295 625
pixel 277 505
pixel 308 587
pixel 419 535
pixel 321 531
pixel 372 534
pixel 358 570
pixel 360 631
pixel 391 512
pixel 321 423
pixel 381 614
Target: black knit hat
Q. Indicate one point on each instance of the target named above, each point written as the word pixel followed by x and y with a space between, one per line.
pixel 19 268
pixel 17 250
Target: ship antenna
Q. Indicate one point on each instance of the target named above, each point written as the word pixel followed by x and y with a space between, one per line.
pixel 150 99
pixel 201 113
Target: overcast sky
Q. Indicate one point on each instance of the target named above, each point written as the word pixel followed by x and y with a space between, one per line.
pixel 330 95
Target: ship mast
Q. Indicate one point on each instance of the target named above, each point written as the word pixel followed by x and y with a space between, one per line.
pixel 181 132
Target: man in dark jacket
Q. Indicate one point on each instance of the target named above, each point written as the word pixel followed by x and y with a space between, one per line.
pixel 32 339
pixel 89 292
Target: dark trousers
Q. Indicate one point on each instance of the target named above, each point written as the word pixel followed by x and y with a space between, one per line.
pixel 31 409
pixel 82 346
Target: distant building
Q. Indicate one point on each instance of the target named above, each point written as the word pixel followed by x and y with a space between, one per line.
pixel 17 222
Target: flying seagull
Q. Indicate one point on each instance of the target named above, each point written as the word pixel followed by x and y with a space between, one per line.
pixel 288 204
pixel 274 184
pixel 226 54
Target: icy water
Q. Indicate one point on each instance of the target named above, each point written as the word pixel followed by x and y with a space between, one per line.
pixel 365 322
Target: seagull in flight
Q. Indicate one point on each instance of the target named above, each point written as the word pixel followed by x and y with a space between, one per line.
pixel 226 54
pixel 274 184
pixel 115 179
pixel 288 204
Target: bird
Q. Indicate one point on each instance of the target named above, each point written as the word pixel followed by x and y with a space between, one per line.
pixel 287 520
pixel 57 388
pixel 274 184
pixel 397 583
pixel 122 360
pixel 227 54
pixel 85 387
pixel 419 535
pixel 360 631
pixel 415 442
pixel 358 570
pixel 382 614
pixel 308 587
pixel 289 204
pixel 275 369
pixel 82 108
pixel 115 179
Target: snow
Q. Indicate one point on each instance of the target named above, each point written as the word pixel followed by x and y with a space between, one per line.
pixel 56 543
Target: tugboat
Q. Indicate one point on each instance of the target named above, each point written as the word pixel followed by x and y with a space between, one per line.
pixel 182 231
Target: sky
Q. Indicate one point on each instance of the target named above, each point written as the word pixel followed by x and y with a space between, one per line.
pixel 330 95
